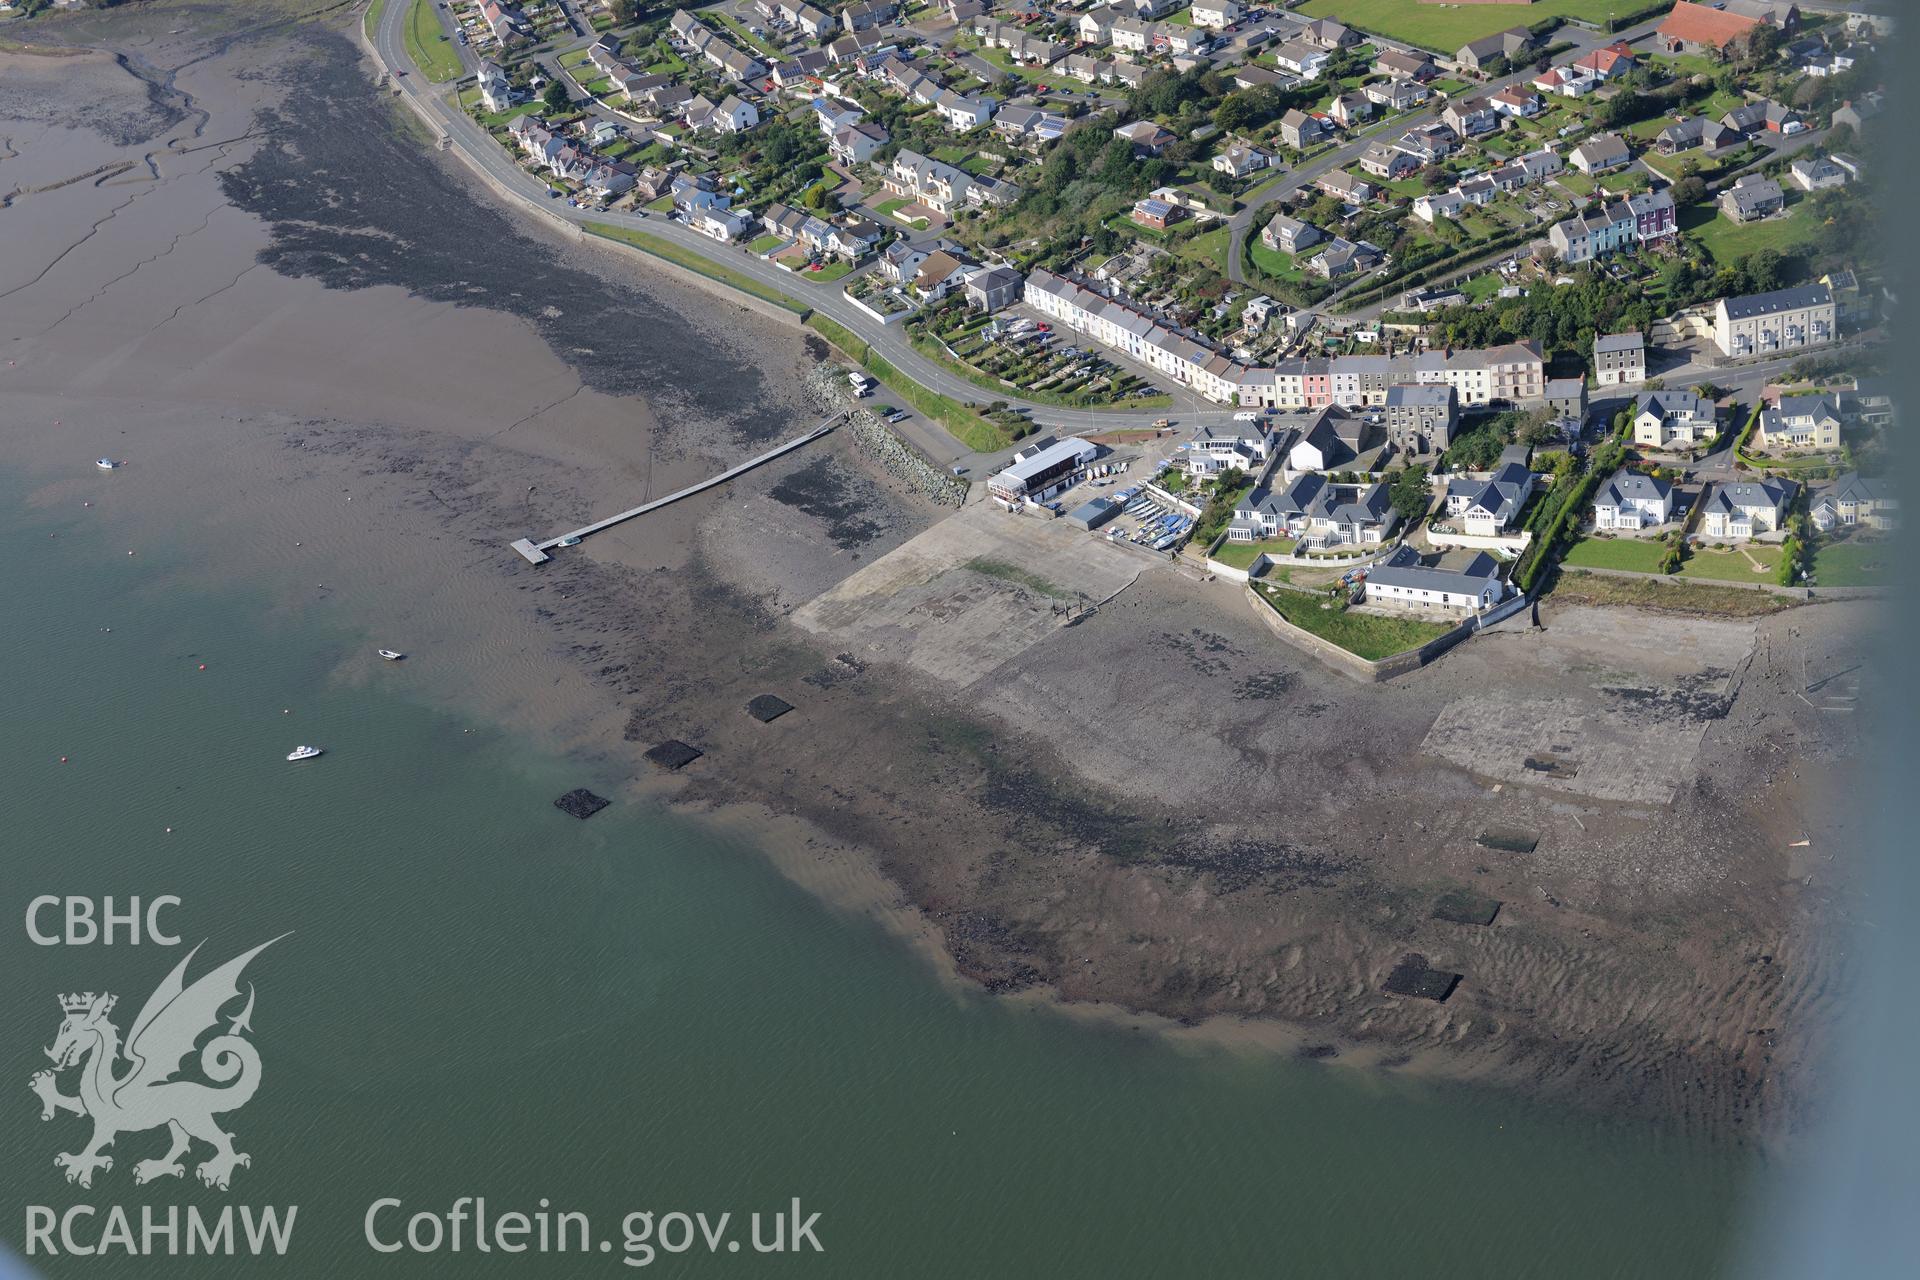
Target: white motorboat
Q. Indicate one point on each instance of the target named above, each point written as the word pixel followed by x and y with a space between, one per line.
pixel 571 540
pixel 105 464
pixel 391 655
pixel 304 752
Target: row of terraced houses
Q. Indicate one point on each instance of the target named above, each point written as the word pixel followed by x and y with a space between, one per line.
pixel 1510 374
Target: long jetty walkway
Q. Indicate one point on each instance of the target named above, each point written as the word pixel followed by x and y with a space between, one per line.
pixel 537 552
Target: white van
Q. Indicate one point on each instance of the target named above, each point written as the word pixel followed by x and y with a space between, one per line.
pixel 1247 416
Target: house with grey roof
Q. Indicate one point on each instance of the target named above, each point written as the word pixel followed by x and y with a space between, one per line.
pixel 1472 588
pixel 1799 424
pixel 1316 510
pixel 1619 358
pixel 1488 508
pixel 1751 198
pixel 1747 509
pixel 1629 502
pixel 1853 501
pixel 1421 416
pixel 1289 235
pixel 1664 419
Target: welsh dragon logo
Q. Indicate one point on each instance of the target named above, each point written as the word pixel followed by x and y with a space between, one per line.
pixel 146 1095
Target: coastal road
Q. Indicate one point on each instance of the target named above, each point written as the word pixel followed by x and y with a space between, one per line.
pixel 477 148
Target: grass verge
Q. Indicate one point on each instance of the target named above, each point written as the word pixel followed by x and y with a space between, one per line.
pixel 979 434
pixel 695 262
pixel 429 45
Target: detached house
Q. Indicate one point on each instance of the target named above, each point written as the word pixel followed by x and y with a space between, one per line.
pixel 1284 234
pixel 1510 44
pixel 1301 58
pixel 1619 358
pixel 1471 117
pixel 1473 588
pixel 1752 198
pixel 1662 419
pixel 1851 502
pixel 1799 424
pixel 1239 158
pixel 1343 185
pixel 1397 94
pixel 1601 154
pixel 1629 502
pixel 1300 130
pixel 1488 508
pixel 1737 512
pixel 1388 162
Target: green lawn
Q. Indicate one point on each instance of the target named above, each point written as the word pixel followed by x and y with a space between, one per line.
pixel 429 45
pixel 1853 563
pixel 1279 266
pixel 370 22
pixel 1209 247
pixel 766 244
pixel 1727 240
pixel 1241 555
pixel 830 271
pixel 1641 555
pixel 1445 28
pixel 681 256
pixel 890 209
pixel 1364 635
pixel 1733 565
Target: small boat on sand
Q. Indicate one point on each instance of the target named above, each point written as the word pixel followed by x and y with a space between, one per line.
pixel 106 464
pixel 391 655
pixel 304 752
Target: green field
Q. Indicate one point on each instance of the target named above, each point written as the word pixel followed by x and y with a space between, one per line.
pixel 681 256
pixel 1241 555
pixel 1853 563
pixel 1727 240
pixel 1639 555
pixel 766 244
pixel 1364 635
pixel 1445 28
pixel 429 45
pixel 1733 565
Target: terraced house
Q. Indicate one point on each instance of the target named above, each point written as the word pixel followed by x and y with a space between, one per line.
pixel 1783 320
pixel 1611 226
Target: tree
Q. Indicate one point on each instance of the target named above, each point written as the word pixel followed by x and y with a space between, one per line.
pixel 1409 493
pixel 556 97
pixel 624 11
pixel 1433 177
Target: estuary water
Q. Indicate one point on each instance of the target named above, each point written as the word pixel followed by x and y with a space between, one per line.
pixel 481 996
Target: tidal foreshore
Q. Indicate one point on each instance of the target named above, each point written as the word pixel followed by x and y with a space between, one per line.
pixel 1092 768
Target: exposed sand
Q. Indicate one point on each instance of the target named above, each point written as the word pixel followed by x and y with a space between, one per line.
pixel 342 378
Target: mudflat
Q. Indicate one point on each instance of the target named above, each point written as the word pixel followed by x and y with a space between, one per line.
pixel 338 371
